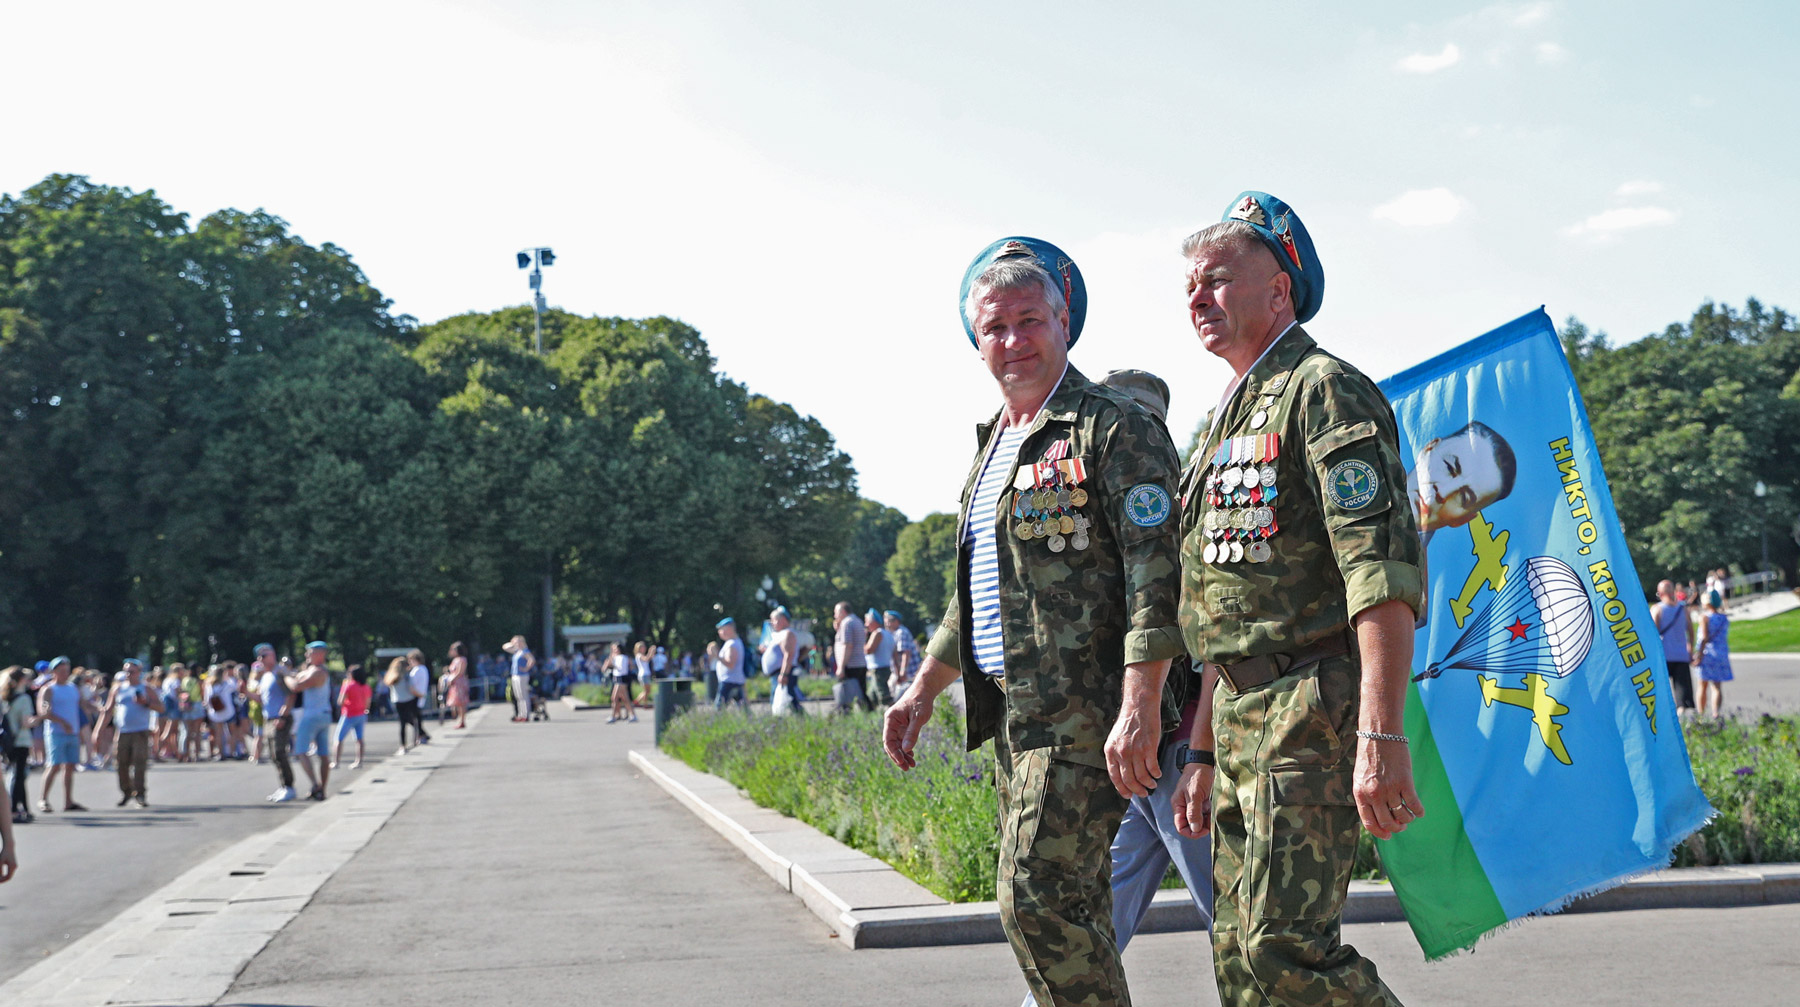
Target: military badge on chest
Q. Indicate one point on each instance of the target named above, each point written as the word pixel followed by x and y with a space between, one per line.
pixel 1048 499
pixel 1240 488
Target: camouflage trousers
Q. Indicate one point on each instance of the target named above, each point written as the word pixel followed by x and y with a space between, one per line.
pixel 1284 842
pixel 1057 820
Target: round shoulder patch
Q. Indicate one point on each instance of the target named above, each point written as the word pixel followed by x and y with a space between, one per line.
pixel 1351 484
pixel 1147 505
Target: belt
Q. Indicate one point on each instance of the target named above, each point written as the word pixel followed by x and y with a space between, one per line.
pixel 1254 672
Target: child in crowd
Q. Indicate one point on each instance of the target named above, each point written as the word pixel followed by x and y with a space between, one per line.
pixel 353 700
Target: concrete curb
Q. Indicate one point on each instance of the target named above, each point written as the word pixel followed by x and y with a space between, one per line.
pixel 868 904
pixel 186 943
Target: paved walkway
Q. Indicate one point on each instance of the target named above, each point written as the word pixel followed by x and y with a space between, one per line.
pixel 121 855
pixel 535 866
pixel 538 867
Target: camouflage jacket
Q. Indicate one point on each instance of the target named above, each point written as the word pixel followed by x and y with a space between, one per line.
pixel 1343 535
pixel 1071 620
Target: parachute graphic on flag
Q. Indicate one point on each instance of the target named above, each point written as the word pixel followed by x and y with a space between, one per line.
pixel 1541 622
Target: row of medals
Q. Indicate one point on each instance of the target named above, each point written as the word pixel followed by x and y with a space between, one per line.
pixel 1242 517
pixel 1048 512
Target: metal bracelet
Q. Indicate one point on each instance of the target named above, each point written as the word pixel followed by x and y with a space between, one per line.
pixel 1378 736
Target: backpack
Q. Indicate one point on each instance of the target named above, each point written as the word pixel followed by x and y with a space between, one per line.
pixel 8 740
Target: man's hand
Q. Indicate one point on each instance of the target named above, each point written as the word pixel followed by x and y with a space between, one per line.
pixel 901 727
pixel 1383 782
pixel 9 863
pixel 1131 747
pixel 1383 785
pixel 1193 801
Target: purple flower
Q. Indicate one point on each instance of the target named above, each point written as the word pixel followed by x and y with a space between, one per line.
pixel 1742 771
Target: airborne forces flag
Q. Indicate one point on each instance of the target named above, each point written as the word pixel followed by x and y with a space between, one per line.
pixel 1546 746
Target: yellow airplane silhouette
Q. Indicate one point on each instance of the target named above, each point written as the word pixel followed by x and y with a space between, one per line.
pixel 1489 550
pixel 1543 706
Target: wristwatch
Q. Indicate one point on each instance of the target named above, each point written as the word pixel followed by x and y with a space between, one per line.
pixel 1196 757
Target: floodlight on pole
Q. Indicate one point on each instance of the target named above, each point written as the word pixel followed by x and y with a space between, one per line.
pixel 537 259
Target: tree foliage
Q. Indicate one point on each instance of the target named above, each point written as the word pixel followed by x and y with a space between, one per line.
pixel 923 568
pixel 1687 422
pixel 854 570
pixel 221 433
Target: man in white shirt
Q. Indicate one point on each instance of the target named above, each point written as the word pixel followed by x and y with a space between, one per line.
pixel 522 664
pixel 730 667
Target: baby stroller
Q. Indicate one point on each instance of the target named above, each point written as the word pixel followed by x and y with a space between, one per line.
pixel 540 708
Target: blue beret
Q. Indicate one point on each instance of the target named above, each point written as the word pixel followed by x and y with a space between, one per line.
pixel 318 645
pixel 262 648
pixel 41 666
pixel 891 614
pixel 1280 229
pixel 780 610
pixel 59 659
pixel 1055 262
pixel 722 623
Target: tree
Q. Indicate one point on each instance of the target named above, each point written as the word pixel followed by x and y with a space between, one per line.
pixel 222 434
pixel 1687 421
pixel 855 572
pixel 923 568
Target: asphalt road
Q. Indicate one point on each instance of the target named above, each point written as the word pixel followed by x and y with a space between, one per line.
pixel 1762 683
pixel 537 866
pixel 77 871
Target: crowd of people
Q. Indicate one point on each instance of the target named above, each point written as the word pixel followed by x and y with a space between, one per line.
pixel 62 720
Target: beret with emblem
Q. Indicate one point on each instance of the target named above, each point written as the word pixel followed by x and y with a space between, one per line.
pixel 1061 268
pixel 1280 229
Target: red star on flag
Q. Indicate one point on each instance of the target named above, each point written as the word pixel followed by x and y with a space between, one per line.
pixel 1518 628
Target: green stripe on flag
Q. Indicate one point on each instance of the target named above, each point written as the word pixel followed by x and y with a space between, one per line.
pixel 1435 872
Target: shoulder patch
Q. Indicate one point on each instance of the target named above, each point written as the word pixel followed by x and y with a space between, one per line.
pixel 1352 483
pixel 1147 505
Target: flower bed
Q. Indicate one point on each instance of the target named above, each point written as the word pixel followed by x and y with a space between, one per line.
pixel 937 823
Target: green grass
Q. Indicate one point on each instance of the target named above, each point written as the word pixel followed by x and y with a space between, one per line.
pixel 1762 636
pixel 756 689
pixel 937 823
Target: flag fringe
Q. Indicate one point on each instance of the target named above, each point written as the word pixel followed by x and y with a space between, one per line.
pixel 1559 905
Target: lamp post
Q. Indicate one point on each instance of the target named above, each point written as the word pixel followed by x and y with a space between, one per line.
pixel 536 259
pixel 1762 523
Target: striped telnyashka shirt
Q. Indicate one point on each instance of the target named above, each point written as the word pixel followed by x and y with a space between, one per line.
pixel 984 553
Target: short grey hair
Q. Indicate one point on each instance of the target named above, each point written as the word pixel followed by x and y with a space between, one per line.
pixel 1232 235
pixel 1015 272
pixel 1226 234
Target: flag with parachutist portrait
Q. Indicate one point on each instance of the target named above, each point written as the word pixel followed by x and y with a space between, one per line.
pixel 1545 742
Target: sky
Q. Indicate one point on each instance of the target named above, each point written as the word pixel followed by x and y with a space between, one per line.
pixel 806 182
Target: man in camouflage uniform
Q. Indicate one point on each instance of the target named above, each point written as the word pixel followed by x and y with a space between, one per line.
pixel 1300 580
pixel 1064 617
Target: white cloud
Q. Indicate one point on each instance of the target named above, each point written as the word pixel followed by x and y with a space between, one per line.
pixel 1531 14
pixel 1421 208
pixel 1420 62
pixel 1700 101
pixel 1637 187
pixel 1550 52
pixel 1625 218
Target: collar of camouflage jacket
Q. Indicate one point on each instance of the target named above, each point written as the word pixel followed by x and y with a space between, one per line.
pixel 1269 373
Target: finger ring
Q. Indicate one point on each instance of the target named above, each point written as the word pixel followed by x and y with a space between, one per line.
pixel 1400 809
